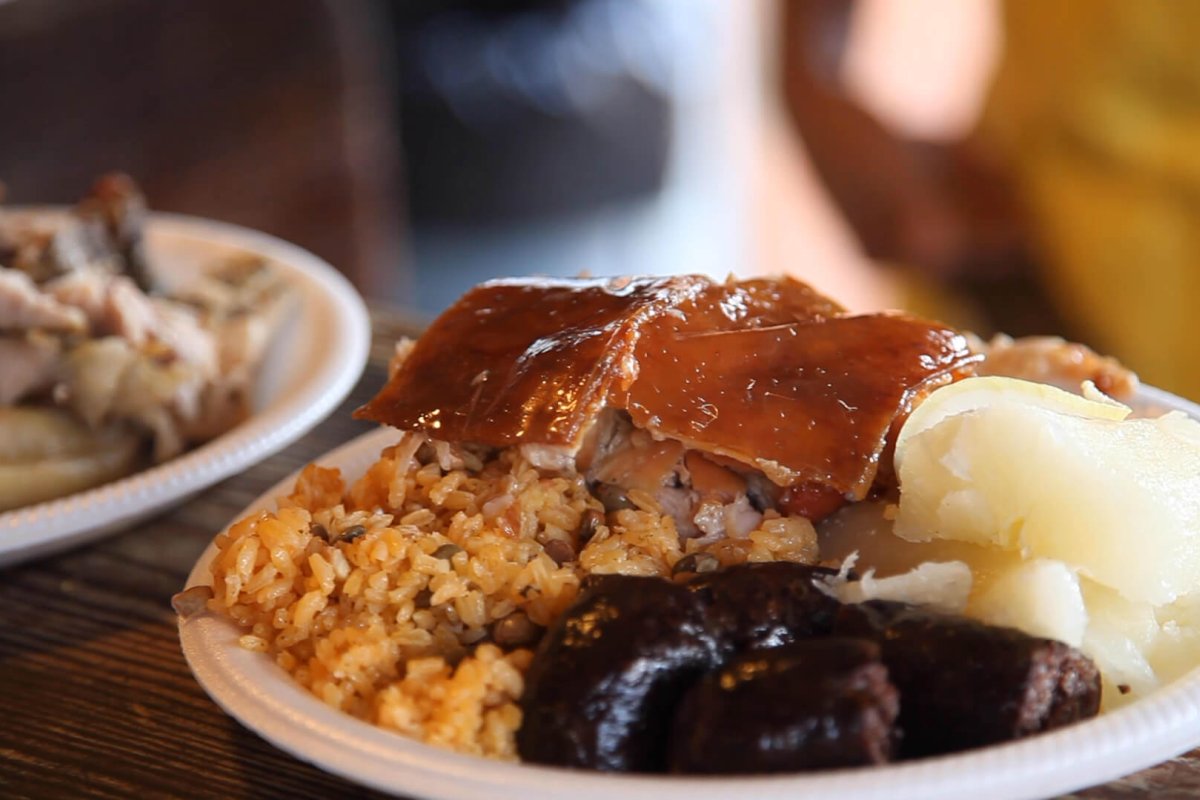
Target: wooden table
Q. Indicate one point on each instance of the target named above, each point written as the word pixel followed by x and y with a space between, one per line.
pixel 97 701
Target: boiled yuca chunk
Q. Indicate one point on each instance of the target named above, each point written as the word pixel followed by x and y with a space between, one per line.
pixel 1041 597
pixel 1176 644
pixel 1047 598
pixel 1122 637
pixel 1029 468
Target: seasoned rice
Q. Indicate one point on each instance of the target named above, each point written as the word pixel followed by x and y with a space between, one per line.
pixel 381 597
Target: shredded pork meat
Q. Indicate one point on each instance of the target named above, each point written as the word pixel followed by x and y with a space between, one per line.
pixel 79 329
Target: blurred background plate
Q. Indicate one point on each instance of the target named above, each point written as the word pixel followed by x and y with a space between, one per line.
pixel 254 689
pixel 312 364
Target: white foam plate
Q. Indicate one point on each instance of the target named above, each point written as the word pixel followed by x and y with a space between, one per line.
pixel 252 688
pixel 313 363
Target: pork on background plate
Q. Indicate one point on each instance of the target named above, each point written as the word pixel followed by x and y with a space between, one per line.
pixel 102 368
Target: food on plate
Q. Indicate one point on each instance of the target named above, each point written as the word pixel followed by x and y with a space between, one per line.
pixel 613 508
pixel 756 606
pixel 633 380
pixel 966 684
pixel 1057 362
pixel 603 689
pixel 105 367
pixel 819 704
pixel 608 687
pixel 1088 520
pixel 1013 465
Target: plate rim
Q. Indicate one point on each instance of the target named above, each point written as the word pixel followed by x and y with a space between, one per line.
pixel 251 688
pixel 94 513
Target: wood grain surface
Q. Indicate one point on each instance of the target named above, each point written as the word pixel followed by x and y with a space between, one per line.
pixel 97 701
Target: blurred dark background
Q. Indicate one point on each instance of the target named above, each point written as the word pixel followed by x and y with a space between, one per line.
pixel 348 127
pixel 257 113
pixel 527 109
pixel 1018 165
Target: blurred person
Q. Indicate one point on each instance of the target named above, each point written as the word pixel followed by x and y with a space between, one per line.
pixel 1072 207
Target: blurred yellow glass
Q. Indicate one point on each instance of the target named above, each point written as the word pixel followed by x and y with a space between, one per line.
pixel 1096 108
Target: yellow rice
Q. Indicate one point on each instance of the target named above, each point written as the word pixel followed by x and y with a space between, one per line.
pixel 393 626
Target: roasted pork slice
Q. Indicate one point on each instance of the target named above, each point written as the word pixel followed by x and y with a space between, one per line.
pixel 104 232
pixel 28 364
pixel 617 459
pixel 112 303
pixel 756 303
pixel 805 403
pixel 47 246
pixel 722 382
pixel 24 307
pixel 536 361
pixel 1053 360
pixel 116 207
pixel 525 361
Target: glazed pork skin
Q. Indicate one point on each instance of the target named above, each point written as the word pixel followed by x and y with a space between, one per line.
pixel 536 361
pixel 767 375
pixel 806 404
